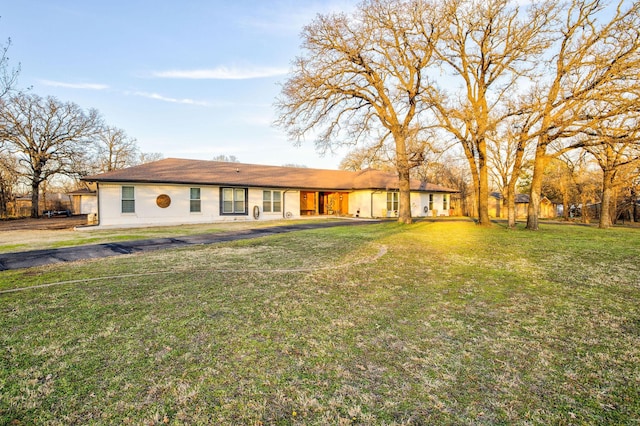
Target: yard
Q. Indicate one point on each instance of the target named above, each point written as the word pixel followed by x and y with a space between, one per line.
pixel 432 323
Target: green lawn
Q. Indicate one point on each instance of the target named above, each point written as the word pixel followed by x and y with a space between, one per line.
pixel 433 323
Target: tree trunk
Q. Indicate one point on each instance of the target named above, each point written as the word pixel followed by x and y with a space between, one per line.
pixel 533 210
pixel 511 204
pixel 585 210
pixel 483 188
pixel 605 215
pixel 35 199
pixel 404 178
pixel 404 215
pixel 614 207
pixel 3 200
pixel 565 205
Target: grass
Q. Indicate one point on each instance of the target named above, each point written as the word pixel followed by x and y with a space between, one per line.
pixel 433 323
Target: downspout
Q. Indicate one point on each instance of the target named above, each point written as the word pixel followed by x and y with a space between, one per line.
pixel 371 209
pixel 284 207
pixel 98 203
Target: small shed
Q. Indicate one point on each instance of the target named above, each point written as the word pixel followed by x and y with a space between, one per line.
pixel 496 209
pixel 83 201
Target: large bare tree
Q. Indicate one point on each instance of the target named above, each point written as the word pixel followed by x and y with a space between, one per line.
pixel 591 56
pixel 48 137
pixel 487 49
pixel 362 77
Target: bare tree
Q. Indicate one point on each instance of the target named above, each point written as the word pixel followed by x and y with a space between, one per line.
pixel 632 194
pixel 590 58
pixel 376 157
pixel 8 75
pixel 148 157
pixel 226 158
pixel 47 136
pixel 363 77
pixel 8 180
pixel 488 47
pixel 8 80
pixel 507 148
pixel 114 150
pixel 618 148
pixel 559 182
pixel 450 171
pixel 588 181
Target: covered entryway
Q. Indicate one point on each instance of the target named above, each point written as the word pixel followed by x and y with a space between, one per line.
pixel 324 203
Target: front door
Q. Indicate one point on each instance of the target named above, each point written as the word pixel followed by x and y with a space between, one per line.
pixel 308 206
pixel 334 203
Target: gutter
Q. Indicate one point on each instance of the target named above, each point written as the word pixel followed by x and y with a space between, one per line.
pixel 98 203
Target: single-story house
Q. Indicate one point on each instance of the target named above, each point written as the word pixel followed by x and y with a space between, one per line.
pixel 497 209
pixel 180 191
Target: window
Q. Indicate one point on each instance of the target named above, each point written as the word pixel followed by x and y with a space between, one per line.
pixel 233 200
pixel 128 199
pixel 194 200
pixel 271 201
pixel 445 201
pixel 392 201
pixel 430 202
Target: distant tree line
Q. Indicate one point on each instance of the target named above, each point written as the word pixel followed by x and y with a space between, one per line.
pixel 43 138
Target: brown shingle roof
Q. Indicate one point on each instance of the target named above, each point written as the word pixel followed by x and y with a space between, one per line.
pixel 202 172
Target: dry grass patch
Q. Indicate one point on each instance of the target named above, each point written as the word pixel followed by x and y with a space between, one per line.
pixel 452 324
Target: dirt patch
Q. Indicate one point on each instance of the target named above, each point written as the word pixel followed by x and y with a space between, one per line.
pixel 56 222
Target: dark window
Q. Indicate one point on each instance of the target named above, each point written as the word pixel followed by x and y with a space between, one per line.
pixel 194 200
pixel 272 201
pixel 128 199
pixel 233 200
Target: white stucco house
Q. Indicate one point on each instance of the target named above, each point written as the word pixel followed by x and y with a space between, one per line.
pixel 180 191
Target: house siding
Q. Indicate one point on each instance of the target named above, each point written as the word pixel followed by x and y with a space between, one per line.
pixel 361 203
pixel 148 213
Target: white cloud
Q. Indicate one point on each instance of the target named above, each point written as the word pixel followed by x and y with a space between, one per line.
pixel 223 73
pixel 83 86
pixel 159 97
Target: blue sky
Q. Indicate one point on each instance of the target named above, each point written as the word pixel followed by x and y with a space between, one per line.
pixel 189 79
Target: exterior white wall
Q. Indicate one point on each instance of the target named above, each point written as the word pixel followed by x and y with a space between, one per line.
pixel 364 204
pixel 419 203
pixel 147 212
pixel 374 204
pixel 88 204
pixel 291 203
pixel 360 203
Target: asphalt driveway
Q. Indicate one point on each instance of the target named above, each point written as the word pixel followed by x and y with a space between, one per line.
pixel 28 259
